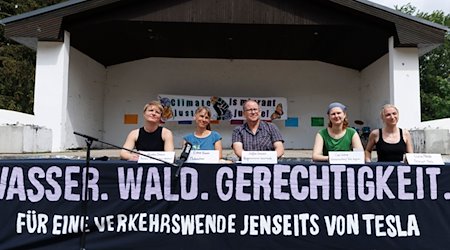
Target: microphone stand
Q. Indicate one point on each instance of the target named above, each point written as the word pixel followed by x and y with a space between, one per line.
pixel 118 147
pixel 89 140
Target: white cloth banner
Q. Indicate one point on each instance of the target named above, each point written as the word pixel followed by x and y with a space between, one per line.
pixel 182 107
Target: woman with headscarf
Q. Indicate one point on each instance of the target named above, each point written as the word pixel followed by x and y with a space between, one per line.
pixel 337 136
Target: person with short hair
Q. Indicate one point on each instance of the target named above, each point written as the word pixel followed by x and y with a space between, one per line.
pixel 337 136
pixel 391 141
pixel 256 135
pixel 150 137
pixel 203 137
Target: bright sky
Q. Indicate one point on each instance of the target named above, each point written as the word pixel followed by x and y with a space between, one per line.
pixel 427 6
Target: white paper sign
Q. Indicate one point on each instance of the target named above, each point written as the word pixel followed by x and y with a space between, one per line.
pixel 166 156
pixel 346 157
pixel 203 156
pixel 251 157
pixel 424 159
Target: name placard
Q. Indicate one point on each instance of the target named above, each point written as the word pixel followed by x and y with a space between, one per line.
pixel 166 156
pixel 203 156
pixel 346 157
pixel 424 159
pixel 251 157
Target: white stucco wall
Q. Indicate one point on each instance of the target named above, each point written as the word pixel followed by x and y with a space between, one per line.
pixel 85 99
pixel 435 124
pixel 50 93
pixel 374 91
pixel 309 87
pixel 405 93
pixel 14 117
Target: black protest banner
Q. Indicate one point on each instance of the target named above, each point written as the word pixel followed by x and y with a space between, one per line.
pixel 295 205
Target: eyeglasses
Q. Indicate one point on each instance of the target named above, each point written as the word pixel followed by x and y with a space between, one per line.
pixel 251 110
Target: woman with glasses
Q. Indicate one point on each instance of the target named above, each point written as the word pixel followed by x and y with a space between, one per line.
pixel 150 137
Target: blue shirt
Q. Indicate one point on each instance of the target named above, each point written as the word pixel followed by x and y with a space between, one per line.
pixel 206 143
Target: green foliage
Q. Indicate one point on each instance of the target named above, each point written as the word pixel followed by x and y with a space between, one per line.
pixel 435 74
pixel 407 9
pixel 16 78
pixel 17 62
pixel 435 82
pixel 434 69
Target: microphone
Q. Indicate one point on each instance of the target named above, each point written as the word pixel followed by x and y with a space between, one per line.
pixel 102 158
pixel 183 157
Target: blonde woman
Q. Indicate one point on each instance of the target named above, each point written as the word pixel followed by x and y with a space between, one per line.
pixel 150 137
pixel 337 136
pixel 203 137
pixel 391 141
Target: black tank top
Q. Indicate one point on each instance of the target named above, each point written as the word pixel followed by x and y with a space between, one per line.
pixel 390 151
pixel 150 141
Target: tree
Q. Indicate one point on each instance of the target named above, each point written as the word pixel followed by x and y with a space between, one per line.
pixel 434 70
pixel 17 62
pixel 435 75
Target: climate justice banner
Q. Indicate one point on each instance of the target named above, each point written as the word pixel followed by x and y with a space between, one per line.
pixel 282 206
pixel 182 107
